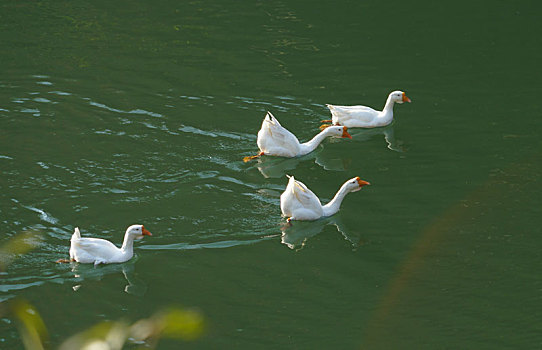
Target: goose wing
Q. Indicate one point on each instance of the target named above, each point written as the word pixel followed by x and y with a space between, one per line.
pixel 298 197
pixel 349 114
pixel 274 139
pixel 88 250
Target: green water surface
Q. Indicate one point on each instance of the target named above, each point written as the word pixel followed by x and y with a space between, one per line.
pixel 114 113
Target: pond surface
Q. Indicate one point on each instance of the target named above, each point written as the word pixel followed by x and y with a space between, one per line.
pixel 115 113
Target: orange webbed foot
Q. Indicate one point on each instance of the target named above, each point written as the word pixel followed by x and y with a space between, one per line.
pixel 64 261
pixel 249 158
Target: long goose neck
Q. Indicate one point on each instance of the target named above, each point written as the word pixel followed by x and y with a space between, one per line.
pixel 335 204
pixel 388 107
pixel 128 244
pixel 311 145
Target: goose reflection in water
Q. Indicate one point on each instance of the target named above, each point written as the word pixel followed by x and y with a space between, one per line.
pixel 277 167
pixel 296 235
pixel 84 272
pixel 389 137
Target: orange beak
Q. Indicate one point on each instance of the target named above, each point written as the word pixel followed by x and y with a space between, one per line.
pixel 361 182
pixel 345 133
pixel 145 232
pixel 405 98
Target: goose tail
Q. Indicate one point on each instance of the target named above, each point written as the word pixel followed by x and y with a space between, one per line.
pixel 76 234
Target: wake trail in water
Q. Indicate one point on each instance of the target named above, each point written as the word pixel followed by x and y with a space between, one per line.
pixel 210 245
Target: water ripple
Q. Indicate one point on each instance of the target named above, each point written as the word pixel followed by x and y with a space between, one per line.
pixel 211 245
pixel 42 214
pixel 214 134
pixel 102 165
pixel 133 111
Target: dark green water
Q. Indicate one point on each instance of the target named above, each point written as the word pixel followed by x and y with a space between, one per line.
pixel 114 113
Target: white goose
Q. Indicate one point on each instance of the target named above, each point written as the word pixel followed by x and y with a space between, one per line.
pixel 100 251
pixel 365 117
pixel 275 140
pixel 297 202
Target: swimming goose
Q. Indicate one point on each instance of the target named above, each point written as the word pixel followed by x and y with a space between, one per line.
pixel 365 117
pixel 297 202
pixel 100 251
pixel 275 140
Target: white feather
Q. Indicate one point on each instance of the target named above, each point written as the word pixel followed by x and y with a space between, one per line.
pixel 366 117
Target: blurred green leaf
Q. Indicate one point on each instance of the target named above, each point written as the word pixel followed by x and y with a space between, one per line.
pixel 182 324
pixel 174 323
pixel 20 244
pixel 31 327
pixel 103 336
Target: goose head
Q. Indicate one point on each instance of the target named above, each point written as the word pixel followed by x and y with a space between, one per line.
pixel 340 131
pixel 355 184
pixel 399 97
pixel 137 231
